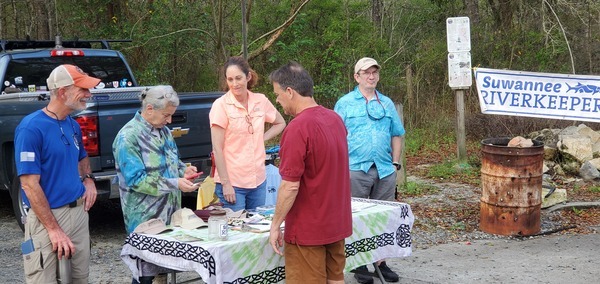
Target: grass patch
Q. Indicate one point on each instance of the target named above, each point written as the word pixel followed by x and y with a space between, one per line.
pixel 414 141
pixel 468 172
pixel 595 189
pixel 444 170
pixel 412 188
pixel 460 226
pixel 427 140
pixel 578 212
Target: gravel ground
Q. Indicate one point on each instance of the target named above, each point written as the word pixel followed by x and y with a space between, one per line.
pixel 108 234
pixel 448 214
pixel 451 214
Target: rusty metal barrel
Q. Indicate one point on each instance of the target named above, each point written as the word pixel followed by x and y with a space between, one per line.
pixel 511 182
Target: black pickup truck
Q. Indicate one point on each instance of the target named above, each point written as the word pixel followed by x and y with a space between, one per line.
pixel 24 67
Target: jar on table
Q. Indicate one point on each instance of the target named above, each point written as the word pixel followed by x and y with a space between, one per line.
pixel 217 225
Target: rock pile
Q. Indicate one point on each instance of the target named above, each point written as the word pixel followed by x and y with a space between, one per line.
pixel 574 150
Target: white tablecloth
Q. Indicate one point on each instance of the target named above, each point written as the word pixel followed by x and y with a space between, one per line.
pixel 381 229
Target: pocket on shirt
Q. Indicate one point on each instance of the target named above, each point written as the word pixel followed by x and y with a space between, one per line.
pixel 240 124
pixel 356 112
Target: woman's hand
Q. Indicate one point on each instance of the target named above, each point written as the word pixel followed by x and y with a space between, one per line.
pixel 229 193
pixel 191 172
pixel 186 185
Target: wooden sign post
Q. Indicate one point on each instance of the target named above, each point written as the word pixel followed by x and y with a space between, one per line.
pixel 459 73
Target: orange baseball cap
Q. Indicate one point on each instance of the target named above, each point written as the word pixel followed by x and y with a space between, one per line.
pixel 67 74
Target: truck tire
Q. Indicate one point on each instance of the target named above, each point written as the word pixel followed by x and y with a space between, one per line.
pixel 19 207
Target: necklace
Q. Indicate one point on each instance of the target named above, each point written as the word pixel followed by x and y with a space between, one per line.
pixel 54 113
pixel 63 137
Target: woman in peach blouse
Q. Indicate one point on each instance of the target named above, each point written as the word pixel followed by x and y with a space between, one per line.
pixel 237 123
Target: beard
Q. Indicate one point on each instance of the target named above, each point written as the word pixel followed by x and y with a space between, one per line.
pixel 76 105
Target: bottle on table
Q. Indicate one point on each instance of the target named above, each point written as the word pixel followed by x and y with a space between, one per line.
pixel 217 225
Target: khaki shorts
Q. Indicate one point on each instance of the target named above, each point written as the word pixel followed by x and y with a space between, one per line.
pixel 40 265
pixel 314 264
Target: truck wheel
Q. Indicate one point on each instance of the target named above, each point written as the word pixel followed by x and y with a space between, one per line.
pixel 19 206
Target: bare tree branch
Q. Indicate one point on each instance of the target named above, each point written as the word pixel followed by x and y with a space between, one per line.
pixel 275 33
pixel 172 33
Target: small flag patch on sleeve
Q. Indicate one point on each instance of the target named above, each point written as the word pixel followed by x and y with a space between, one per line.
pixel 27 157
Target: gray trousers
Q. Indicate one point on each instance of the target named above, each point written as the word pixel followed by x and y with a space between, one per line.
pixel 369 185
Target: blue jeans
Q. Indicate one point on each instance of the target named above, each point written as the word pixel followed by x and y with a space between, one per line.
pixel 245 198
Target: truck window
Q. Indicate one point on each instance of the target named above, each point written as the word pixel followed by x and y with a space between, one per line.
pixel 30 74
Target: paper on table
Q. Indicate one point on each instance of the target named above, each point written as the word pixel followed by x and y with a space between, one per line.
pixel 256 227
pixel 186 236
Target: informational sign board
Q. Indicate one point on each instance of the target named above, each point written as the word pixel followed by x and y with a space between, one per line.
pixel 459 56
pixel 459 70
pixel 458 34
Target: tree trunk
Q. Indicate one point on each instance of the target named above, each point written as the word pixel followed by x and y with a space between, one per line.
pixel 502 12
pixel 473 10
pixel 376 8
pixel 219 51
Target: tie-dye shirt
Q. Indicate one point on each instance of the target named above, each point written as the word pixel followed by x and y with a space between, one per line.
pixel 148 168
pixel 369 134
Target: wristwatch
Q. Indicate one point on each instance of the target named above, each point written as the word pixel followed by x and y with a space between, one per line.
pixel 89 175
pixel 397 165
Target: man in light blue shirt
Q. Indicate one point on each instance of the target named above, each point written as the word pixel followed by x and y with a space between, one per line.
pixel 374 130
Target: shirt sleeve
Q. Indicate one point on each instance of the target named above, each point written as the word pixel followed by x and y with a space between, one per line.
pixel 218 114
pixel 339 109
pixel 293 155
pixel 28 152
pixel 270 111
pixel 128 157
pixel 396 128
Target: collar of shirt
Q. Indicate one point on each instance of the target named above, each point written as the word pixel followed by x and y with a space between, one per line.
pixel 148 126
pixel 357 95
pixel 252 101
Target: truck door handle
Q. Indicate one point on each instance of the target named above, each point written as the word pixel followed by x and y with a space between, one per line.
pixel 179 118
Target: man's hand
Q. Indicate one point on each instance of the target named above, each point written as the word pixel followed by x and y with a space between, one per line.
pixel 61 243
pixel 90 194
pixel 276 239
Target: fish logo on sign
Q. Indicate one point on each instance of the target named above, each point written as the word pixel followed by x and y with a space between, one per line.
pixel 581 88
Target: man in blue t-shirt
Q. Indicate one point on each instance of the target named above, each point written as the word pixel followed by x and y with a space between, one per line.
pixel 374 130
pixel 55 175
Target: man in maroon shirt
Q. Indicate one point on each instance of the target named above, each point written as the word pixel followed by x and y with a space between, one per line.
pixel 314 195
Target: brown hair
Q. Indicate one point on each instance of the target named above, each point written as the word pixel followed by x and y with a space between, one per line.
pixel 241 63
pixel 294 76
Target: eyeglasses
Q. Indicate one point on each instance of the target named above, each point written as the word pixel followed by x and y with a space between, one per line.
pixel 165 96
pixel 63 136
pixel 375 109
pixel 368 74
pixel 250 127
pixel 145 93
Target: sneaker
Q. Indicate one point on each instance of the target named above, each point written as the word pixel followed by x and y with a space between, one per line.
pixel 388 274
pixel 363 279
